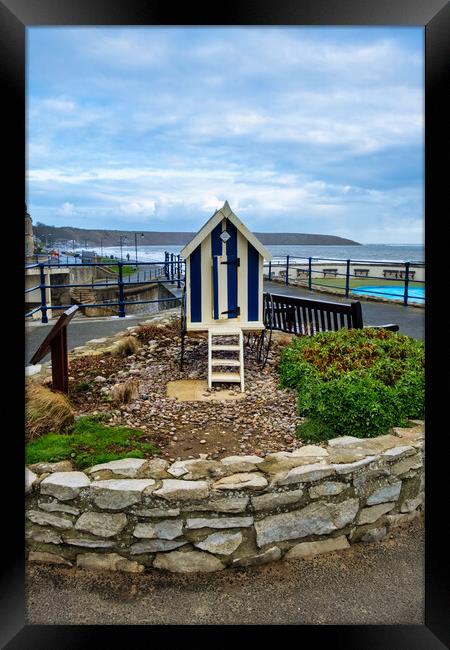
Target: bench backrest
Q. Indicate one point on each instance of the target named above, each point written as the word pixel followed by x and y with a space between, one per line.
pixel 308 316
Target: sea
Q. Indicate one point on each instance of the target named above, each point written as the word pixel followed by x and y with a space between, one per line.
pixel 363 253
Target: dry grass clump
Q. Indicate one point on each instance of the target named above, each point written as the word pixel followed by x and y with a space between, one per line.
pixel 155 331
pixel 46 410
pixel 126 392
pixel 125 346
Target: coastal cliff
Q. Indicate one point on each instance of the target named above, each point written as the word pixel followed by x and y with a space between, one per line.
pixel 88 237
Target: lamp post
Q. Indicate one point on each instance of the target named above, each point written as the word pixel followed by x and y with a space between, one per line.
pixel 122 239
pixel 135 246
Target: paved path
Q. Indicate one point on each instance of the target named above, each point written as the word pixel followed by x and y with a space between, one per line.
pixel 378 583
pixel 410 319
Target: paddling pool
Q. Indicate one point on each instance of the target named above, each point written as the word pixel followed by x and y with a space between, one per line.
pixel 415 294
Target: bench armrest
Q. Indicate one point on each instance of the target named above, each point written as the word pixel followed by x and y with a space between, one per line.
pixel 391 326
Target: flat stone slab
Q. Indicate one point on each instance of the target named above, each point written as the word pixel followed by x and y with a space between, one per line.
pixel 188 562
pixel 44 536
pixel 386 493
pixel 30 479
pixel 102 524
pixel 126 467
pixel 156 545
pixel 370 515
pixel 64 485
pixel 307 549
pixel 195 469
pixel 114 494
pixel 223 543
pixel 54 506
pixel 315 519
pixel 108 562
pixel 51 558
pixel 51 468
pixel 89 543
pixel 242 481
pixel 47 519
pixel 270 555
pixel 305 473
pixel 169 529
pixel 218 522
pixel 196 390
pixel 175 490
pixel 310 451
pixel 327 489
pixel 276 499
pixel 227 504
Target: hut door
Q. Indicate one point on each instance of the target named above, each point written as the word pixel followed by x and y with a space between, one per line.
pixel 225 287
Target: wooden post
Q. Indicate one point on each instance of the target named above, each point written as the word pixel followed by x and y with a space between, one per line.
pixel 56 343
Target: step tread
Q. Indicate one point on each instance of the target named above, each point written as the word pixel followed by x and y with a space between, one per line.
pixel 225 347
pixel 225 362
pixel 225 376
pixel 224 331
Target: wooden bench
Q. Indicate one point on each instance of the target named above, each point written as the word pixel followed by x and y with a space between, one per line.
pixel 330 273
pixel 308 316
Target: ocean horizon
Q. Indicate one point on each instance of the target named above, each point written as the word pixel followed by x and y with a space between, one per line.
pixel 363 252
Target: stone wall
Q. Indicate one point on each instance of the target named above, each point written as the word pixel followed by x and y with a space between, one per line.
pixel 205 515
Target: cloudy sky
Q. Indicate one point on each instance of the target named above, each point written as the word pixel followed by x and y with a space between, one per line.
pixel 315 130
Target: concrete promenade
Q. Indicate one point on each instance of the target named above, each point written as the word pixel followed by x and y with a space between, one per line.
pixel 410 319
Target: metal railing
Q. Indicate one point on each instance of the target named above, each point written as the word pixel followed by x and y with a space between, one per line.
pixel 170 270
pixel 308 275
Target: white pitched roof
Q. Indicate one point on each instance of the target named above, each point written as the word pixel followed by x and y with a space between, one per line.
pixel 224 212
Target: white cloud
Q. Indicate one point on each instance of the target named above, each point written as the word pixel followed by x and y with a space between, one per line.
pixel 67 209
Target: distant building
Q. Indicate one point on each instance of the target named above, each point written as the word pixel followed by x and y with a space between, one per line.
pixel 29 241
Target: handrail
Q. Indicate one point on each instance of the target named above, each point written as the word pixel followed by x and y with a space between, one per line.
pixel 311 281
pixel 168 271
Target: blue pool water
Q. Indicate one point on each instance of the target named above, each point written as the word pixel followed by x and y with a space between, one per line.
pixel 415 294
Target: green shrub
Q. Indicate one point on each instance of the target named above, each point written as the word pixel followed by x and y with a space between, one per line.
pixel 354 382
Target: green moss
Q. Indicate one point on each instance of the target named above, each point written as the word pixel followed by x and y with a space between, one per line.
pixel 89 442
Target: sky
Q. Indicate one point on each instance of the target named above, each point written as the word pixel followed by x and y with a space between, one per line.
pixel 301 129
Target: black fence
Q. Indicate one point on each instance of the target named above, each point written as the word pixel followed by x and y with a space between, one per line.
pixel 303 271
pixel 170 271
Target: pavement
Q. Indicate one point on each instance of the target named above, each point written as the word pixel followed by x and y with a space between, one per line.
pixel 376 583
pixel 411 320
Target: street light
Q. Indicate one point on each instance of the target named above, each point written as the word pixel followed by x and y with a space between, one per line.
pixel 101 242
pixel 122 239
pixel 135 245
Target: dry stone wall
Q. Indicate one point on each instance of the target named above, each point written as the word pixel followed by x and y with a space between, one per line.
pixel 206 515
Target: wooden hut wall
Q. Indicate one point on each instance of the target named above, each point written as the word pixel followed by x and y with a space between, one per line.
pixel 243 289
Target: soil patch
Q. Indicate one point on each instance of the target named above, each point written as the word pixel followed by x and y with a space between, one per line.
pixel 263 420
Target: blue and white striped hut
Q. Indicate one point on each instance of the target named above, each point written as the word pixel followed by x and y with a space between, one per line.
pixel 224 274
pixel 224 288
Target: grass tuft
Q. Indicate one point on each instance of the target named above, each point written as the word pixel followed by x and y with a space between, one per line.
pixel 125 346
pixel 126 392
pixel 46 410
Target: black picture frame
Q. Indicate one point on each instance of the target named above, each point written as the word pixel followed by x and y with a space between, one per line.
pixel 434 16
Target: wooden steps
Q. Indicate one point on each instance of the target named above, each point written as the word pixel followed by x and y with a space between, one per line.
pixel 232 377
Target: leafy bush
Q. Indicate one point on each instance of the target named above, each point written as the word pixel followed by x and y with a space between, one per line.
pixel 355 382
